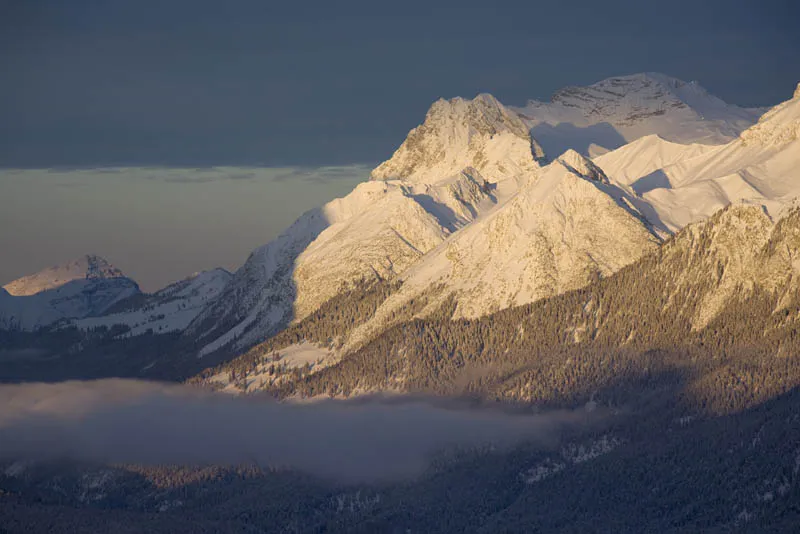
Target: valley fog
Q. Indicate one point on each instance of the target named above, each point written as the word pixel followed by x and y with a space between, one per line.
pixel 148 423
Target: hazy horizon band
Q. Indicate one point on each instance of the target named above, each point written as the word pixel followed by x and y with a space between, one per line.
pixel 190 219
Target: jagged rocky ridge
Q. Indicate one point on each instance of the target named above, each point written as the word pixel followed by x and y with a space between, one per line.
pixel 471 164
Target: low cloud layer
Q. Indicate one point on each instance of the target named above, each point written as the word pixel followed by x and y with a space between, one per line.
pixel 126 421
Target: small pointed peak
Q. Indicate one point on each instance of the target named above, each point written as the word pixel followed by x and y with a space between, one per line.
pixel 583 167
pixel 796 92
pixel 216 272
pixel 460 132
pixel 99 267
pixel 221 271
pixel 486 98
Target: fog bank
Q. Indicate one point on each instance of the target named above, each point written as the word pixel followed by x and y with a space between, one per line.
pixel 128 421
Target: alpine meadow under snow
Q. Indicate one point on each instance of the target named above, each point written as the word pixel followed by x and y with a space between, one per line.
pixel 591 302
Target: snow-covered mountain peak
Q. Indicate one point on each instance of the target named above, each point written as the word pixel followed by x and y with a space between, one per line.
pixel 650 83
pixel 456 133
pixel 484 113
pixel 85 287
pixel 612 112
pixel 89 267
pixel 629 99
pixel 582 166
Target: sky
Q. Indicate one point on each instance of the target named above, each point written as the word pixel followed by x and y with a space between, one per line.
pixel 157 225
pixel 299 85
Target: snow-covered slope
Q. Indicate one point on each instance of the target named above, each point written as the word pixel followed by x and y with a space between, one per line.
pixel 562 229
pixel 86 287
pixel 465 205
pixel 376 232
pixel 168 310
pixel 683 184
pixel 631 162
pixel 468 157
pixel 616 111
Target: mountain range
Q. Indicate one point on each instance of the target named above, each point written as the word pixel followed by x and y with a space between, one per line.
pixel 628 251
pixel 480 205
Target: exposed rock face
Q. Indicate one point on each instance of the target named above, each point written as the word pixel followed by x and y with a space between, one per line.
pixel 479 133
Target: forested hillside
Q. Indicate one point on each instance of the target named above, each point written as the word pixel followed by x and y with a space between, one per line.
pixel 712 317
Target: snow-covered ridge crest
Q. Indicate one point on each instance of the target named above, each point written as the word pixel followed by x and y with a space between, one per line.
pixel 168 310
pixel 640 158
pixel 582 166
pixel 680 184
pixel 468 203
pixel 555 234
pixel 376 232
pixel 458 133
pixel 778 126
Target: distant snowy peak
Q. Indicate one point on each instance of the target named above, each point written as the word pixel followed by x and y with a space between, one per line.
pixel 614 111
pixel 89 267
pixel 85 287
pixel 626 100
pixel 458 133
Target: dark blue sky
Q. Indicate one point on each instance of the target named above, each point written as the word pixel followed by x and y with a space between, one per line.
pixel 169 82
